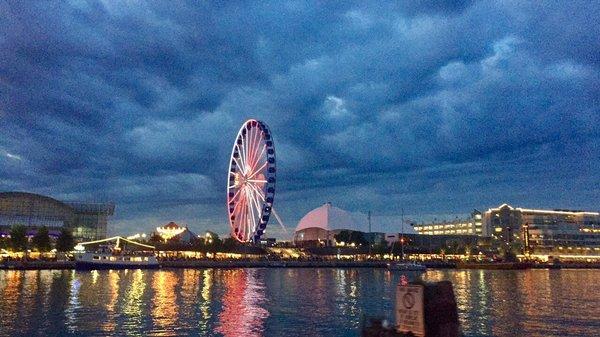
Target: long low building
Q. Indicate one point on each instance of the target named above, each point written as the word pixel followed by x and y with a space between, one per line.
pixel 535 231
pixel 87 221
pixel 556 231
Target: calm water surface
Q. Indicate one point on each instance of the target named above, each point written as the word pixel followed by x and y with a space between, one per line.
pixel 285 302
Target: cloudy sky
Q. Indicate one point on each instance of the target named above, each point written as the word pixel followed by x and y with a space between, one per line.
pixel 430 107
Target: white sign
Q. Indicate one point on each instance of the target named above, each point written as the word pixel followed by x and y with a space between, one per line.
pixel 409 309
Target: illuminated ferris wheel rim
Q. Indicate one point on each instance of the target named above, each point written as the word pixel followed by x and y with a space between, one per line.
pixel 251 181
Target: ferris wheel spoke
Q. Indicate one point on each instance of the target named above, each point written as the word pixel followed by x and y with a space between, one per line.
pixel 251 136
pixel 245 155
pixel 237 161
pixel 240 160
pixel 235 195
pixel 245 160
pixel 257 142
pixel 258 191
pixel 257 145
pixel 251 212
pixel 258 170
pixel 235 222
pixel 264 147
pixel 241 219
pixel 251 221
pixel 235 208
pixel 247 147
pixel 255 213
pixel 258 194
pixel 257 180
pixel 242 226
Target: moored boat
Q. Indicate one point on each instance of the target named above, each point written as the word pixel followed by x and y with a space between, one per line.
pixel 125 254
pixel 97 260
pixel 406 266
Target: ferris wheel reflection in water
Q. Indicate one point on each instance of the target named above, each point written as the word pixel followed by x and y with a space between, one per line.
pixel 243 313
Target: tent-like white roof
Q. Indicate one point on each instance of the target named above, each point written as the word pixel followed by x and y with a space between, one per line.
pixel 329 217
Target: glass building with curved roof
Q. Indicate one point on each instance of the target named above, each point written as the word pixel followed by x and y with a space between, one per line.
pixel 87 221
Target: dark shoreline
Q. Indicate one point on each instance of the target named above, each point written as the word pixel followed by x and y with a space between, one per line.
pixel 227 264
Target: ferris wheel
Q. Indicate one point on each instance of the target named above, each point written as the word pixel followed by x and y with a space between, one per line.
pixel 251 181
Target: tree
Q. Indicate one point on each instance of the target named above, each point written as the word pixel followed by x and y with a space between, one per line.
pixel 358 238
pixel 65 241
pixel 41 240
pixel 212 239
pixel 18 238
pixel 342 236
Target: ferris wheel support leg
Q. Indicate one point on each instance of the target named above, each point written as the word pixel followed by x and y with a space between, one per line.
pixel 280 222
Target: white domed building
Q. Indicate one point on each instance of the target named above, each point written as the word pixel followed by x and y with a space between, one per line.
pixel 321 224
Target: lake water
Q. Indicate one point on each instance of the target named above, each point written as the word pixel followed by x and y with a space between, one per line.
pixel 285 302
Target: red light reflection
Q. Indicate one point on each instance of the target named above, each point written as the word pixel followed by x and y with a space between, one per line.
pixel 243 314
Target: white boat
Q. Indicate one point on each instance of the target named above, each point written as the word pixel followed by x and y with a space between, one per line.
pixel 402 264
pixel 115 256
pixel 406 266
pixel 97 260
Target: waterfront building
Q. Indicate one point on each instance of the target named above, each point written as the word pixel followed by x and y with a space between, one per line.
pixel 473 225
pixel 87 221
pixel 447 243
pixel 319 226
pixel 175 232
pixel 559 231
pixel 269 242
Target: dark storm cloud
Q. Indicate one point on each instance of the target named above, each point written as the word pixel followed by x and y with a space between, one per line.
pixel 436 107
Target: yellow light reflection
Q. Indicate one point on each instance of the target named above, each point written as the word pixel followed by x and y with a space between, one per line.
pixel 134 294
pixel 207 283
pixel 113 291
pixel 165 309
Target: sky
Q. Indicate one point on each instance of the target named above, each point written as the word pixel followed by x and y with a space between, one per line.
pixel 430 108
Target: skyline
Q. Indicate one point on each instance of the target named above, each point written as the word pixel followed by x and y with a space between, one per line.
pixel 434 109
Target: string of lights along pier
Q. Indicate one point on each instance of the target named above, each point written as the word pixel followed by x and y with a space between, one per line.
pixel 251 181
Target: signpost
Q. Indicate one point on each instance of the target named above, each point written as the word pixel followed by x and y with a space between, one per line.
pixel 409 309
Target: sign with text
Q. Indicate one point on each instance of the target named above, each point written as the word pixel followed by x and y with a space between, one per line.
pixel 409 309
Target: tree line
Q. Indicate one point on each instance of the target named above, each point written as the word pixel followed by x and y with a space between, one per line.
pixel 210 243
pixel 18 241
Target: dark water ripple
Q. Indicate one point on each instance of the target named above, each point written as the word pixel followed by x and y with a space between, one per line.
pixel 284 302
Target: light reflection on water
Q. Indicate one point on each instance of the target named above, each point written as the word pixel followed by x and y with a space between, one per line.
pixel 164 302
pixel 242 314
pixel 285 302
